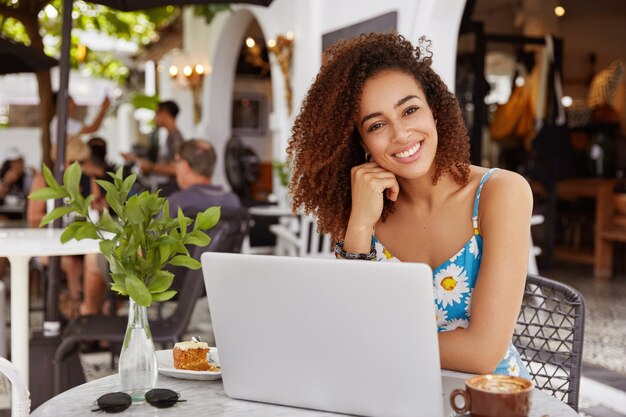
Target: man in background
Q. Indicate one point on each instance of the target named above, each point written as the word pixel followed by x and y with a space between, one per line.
pixel 195 163
pixel 161 170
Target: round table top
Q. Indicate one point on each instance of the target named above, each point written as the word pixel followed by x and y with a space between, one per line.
pixel 42 242
pixel 207 398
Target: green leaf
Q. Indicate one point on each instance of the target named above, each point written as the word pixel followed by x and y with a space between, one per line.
pixel 107 223
pixel 198 238
pixel 186 261
pixel 127 185
pixel 133 212
pixel 86 231
pixel 106 247
pixel 107 186
pixel 182 222
pixel 47 194
pixel 208 218
pixel 160 281
pixel 163 296
pixel 48 176
pixel 138 291
pixel 71 180
pixel 69 232
pixel 120 288
pixel 55 214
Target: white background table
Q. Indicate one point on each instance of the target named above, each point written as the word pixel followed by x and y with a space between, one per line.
pixel 207 398
pixel 20 245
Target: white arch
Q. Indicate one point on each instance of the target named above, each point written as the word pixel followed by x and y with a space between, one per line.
pixel 217 112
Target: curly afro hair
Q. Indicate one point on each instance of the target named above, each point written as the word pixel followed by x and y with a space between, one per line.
pixel 326 144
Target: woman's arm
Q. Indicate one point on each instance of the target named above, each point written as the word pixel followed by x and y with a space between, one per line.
pixel 36 209
pixel 504 223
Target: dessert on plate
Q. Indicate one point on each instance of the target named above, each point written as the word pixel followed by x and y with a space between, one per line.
pixel 192 356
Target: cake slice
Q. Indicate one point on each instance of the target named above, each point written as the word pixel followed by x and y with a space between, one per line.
pixel 191 356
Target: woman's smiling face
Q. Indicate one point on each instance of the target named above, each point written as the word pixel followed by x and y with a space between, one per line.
pixel 397 125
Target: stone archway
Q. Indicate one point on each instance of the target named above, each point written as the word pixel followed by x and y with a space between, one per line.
pixel 219 94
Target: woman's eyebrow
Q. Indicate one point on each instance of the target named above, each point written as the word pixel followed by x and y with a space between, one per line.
pixel 395 106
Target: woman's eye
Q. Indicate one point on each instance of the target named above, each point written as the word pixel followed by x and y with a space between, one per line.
pixel 375 126
pixel 411 110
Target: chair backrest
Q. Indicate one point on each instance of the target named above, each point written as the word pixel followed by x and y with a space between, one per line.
pixel 227 236
pixel 301 238
pixel 549 337
pixel 19 389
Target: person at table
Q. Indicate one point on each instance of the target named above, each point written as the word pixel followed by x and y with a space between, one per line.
pixel 15 181
pixel 163 170
pixel 97 166
pixel 381 154
pixel 194 165
pixel 71 266
pixel 75 128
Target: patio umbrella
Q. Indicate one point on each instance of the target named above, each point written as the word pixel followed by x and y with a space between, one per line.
pixel 130 5
pixel 17 58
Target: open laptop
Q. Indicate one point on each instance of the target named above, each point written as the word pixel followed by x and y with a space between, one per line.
pixel 353 337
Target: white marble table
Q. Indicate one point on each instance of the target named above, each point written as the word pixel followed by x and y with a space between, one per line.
pixel 207 398
pixel 20 245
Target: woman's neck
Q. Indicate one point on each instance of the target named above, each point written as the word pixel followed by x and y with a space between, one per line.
pixel 422 194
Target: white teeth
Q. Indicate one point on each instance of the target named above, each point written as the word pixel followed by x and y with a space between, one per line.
pixel 409 152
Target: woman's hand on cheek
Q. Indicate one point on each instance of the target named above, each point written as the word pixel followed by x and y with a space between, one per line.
pixel 369 181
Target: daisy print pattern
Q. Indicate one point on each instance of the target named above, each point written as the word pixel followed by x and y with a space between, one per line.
pixel 473 247
pixel 455 324
pixel 513 369
pixel 468 304
pixel 450 285
pixel 442 316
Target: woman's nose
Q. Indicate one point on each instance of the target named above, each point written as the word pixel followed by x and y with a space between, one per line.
pixel 400 133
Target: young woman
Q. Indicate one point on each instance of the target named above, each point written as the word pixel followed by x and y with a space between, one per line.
pixel 380 155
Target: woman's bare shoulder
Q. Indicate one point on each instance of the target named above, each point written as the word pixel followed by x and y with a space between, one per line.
pixel 506 190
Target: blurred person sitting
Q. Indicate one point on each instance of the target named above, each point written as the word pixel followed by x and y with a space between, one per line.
pixel 160 167
pixel 97 167
pixel 195 163
pixel 15 180
pixel 71 266
pixel 76 128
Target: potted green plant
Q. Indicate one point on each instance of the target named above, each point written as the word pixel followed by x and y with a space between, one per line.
pixel 138 245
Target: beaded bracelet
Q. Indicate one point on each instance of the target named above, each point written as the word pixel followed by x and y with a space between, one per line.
pixel 340 253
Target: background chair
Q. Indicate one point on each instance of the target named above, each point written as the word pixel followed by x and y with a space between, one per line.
pixel 20 406
pixel 549 337
pixel 299 237
pixel 227 236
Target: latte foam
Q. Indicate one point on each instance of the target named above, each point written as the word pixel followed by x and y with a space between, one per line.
pixel 500 384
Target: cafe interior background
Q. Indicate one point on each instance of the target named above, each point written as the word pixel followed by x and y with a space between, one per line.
pixel 550 107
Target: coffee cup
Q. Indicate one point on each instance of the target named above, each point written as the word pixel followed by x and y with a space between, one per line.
pixel 494 396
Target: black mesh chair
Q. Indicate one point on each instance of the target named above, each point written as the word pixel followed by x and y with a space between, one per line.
pixel 549 337
pixel 227 236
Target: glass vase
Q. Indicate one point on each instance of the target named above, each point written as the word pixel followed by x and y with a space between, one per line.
pixel 138 363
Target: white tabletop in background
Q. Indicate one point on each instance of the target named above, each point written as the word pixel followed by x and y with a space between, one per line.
pixel 42 242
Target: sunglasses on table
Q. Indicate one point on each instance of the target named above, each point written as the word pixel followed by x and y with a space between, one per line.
pixel 116 402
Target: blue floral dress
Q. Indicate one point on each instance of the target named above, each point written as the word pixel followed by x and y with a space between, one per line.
pixel 453 283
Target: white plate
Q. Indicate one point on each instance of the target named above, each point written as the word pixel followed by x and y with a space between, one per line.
pixel 166 366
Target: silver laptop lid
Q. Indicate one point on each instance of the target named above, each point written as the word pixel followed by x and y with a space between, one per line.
pixel 355 337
